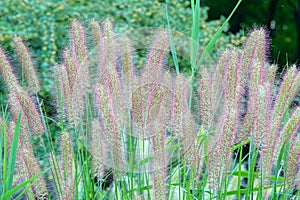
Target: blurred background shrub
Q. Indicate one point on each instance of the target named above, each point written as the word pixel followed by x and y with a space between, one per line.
pixel 280 17
pixel 44 25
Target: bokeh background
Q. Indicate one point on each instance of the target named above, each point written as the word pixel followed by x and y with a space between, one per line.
pixel 280 17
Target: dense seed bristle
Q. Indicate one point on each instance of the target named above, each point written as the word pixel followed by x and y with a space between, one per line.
pixel 27 65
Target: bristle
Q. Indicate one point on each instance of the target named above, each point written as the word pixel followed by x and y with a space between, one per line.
pixel 159 164
pixel 30 111
pixel 290 129
pixel 111 125
pixel 100 50
pixel 255 49
pixel 257 106
pixel 72 69
pixel 7 73
pixel 206 99
pixel 115 91
pixel 27 66
pixel 156 56
pixel 262 123
pixel 72 94
pixel 288 90
pixel 68 179
pixel 179 105
pixel 16 109
pixel 80 54
pixel 97 149
pixel 127 67
pixel 32 168
pixel 66 92
pixel 189 143
pixel 293 167
pixel 96 33
pixel 109 47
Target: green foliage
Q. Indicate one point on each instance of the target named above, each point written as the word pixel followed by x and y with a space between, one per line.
pixel 43 24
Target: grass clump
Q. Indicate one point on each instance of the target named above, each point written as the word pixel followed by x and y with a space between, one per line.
pixel 129 133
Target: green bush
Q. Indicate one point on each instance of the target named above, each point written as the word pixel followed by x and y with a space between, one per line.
pixel 44 24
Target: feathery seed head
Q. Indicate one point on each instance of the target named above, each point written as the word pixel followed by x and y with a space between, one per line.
pixel 78 41
pixel 29 110
pixel 107 115
pixel 290 129
pixel 147 108
pixel 293 169
pixel 127 62
pixel 71 69
pixel 255 50
pixel 232 91
pixel 159 163
pixel 67 167
pixel 97 149
pixel 96 32
pixel 39 187
pixel 27 66
pixel 73 94
pixel 79 52
pixel 7 73
pixel 206 99
pixel 155 59
pixel 288 90
pixel 108 30
pixel 16 109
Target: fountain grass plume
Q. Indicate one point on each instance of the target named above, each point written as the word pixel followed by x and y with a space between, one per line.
pixel 79 52
pixel 156 56
pixel 219 159
pixel 290 130
pixel 72 87
pixel 7 73
pixel 20 95
pixel 27 65
pixel 97 149
pixel 287 92
pixel 111 126
pixel 30 111
pixel 67 168
pixel 159 172
pixel 16 109
pixel 292 170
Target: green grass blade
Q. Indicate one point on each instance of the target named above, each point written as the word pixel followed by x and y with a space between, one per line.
pixel 278 166
pixel 195 31
pixel 239 172
pixel 235 147
pixel 252 160
pixel 172 45
pixel 212 42
pixel 4 162
pixel 13 154
pixel 243 191
pixel 3 133
pixel 194 43
pixel 245 174
pixel 17 188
